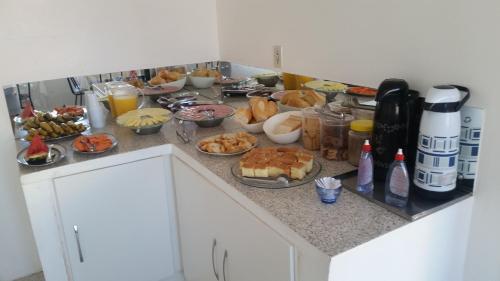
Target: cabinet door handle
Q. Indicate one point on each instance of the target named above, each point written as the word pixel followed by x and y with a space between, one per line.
pixel 214 244
pixel 77 236
pixel 224 265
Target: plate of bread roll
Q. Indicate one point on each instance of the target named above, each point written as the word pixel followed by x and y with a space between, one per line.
pixel 227 144
pixel 276 167
pixel 259 110
pixel 298 99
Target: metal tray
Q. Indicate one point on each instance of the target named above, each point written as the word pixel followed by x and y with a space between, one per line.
pixel 114 142
pixel 417 207
pixel 222 154
pixel 58 151
pixel 275 183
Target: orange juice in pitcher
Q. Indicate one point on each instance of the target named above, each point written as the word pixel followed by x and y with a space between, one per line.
pixel 123 98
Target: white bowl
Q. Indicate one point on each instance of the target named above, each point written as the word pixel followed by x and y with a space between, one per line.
pixel 202 82
pixel 285 108
pixel 178 83
pixel 271 124
pixel 254 128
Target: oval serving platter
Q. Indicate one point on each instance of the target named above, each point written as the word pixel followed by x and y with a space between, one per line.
pixel 222 153
pixel 114 143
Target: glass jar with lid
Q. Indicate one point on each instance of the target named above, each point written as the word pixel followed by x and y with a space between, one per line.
pixel 334 135
pixel 361 130
pixel 311 137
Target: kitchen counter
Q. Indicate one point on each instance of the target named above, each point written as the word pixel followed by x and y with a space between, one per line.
pixel 333 229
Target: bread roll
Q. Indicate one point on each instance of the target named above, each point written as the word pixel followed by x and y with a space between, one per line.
pixel 157 80
pixel 297 102
pixel 290 94
pixel 243 115
pixel 314 98
pixel 262 108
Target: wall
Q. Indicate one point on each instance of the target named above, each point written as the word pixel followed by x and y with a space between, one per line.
pixel 426 42
pixel 49 39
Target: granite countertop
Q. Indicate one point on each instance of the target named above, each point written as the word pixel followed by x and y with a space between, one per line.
pixel 333 229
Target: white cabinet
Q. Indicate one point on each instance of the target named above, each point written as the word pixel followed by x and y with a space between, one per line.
pixel 245 249
pixel 125 222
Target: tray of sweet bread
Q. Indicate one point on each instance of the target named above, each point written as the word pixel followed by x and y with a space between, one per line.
pixel 276 167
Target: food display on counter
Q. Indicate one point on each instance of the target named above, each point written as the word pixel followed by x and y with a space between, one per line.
pixel 37 151
pixel 334 135
pixel 311 129
pixel 301 99
pixel 205 115
pixel 265 162
pixel 144 117
pixel 227 144
pixel 52 127
pixel 97 143
pixel 362 91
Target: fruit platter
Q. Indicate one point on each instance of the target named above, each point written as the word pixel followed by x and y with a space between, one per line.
pixel 39 154
pixel 52 127
pixel 94 144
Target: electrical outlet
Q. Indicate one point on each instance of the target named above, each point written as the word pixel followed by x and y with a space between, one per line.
pixel 277 56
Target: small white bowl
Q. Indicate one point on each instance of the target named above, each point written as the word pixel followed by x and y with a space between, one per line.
pixel 254 128
pixel 271 124
pixel 178 83
pixel 202 82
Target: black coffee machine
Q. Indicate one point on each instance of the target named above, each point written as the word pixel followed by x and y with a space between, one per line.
pixel 396 124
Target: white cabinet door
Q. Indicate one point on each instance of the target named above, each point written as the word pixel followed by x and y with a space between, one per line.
pixel 123 222
pixel 197 225
pixel 254 251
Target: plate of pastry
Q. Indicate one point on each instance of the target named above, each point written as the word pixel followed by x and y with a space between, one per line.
pixel 276 167
pixel 227 144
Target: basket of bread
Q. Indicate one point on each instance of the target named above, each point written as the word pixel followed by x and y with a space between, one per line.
pixel 252 118
pixel 204 78
pixel 168 78
pixel 298 99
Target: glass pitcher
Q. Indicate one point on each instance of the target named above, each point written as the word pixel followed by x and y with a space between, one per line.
pixel 123 98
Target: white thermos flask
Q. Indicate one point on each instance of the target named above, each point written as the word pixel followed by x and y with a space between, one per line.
pixel 438 141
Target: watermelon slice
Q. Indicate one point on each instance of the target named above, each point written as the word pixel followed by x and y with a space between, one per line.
pixel 37 151
pixel 27 110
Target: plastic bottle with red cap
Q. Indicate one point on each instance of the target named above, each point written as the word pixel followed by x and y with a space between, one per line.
pixel 397 182
pixel 365 169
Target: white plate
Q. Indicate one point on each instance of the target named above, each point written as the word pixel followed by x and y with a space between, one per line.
pixel 223 154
